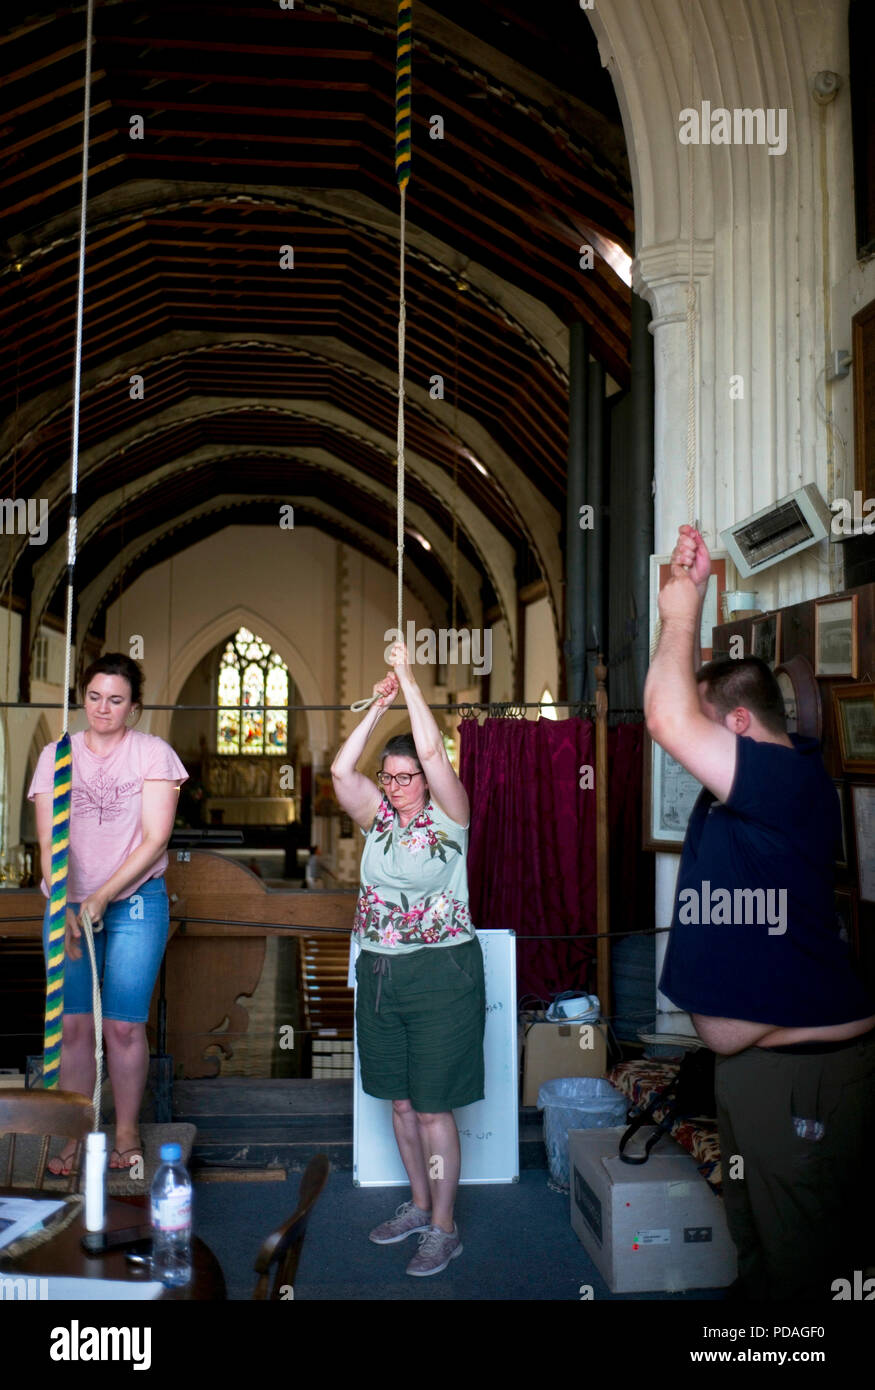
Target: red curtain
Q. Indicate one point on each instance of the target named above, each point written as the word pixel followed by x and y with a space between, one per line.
pixel 531 854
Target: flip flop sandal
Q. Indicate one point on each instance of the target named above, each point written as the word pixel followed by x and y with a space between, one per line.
pixel 64 1167
pixel 125 1164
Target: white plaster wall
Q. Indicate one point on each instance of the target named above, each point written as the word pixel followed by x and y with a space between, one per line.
pixel 501 675
pixel 542 658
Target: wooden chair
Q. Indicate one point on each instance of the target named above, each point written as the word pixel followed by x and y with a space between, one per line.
pixel 283 1248
pixel 46 1113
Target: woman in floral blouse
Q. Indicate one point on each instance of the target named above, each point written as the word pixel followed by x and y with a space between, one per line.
pixel 421 1007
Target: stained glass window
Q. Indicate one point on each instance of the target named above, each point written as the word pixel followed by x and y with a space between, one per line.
pixel 252 675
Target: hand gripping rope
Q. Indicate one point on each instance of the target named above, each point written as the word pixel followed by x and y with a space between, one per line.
pixel 691 316
pixel 404 47
pixel 63 775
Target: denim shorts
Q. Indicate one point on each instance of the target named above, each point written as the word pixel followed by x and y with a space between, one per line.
pixel 128 952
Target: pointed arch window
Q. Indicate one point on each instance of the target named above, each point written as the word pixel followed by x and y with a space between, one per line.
pixel 547 700
pixel 255 677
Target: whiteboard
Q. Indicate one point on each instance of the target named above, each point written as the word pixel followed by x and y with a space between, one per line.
pixel 488 1129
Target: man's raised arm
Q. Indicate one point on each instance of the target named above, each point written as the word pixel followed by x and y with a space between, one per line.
pixel 675 718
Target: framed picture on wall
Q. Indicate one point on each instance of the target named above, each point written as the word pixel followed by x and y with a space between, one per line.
pixel 670 793
pixel 722 574
pixel 835 637
pixel 855 720
pixel 766 639
pixel 863 801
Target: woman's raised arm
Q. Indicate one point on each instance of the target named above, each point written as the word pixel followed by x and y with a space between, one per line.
pixel 443 784
pixel 356 793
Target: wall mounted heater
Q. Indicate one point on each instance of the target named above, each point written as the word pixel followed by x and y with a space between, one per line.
pixel 778 531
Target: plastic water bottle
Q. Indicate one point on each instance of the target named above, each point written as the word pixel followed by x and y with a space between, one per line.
pixel 171 1219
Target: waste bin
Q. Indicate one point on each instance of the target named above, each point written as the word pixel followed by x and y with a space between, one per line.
pixel 576 1102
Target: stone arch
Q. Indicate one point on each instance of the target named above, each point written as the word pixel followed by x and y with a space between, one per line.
pixel 203 641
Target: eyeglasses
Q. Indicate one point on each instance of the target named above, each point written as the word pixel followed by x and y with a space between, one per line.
pixel 402 778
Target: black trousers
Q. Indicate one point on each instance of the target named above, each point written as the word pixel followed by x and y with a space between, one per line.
pixel 797 1140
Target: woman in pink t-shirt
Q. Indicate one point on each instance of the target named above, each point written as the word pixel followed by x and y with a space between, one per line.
pixel 123 805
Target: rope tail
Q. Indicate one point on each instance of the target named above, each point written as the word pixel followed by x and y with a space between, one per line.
pixel 57 911
pixel 97 1008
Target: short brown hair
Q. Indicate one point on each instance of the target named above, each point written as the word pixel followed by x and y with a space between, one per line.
pixel 401 746
pixel 747 682
pixel 116 664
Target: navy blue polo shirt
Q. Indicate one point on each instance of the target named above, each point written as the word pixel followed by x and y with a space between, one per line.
pixel 771 954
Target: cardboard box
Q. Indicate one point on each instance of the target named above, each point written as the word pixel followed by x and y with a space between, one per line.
pixel 553 1050
pixel 653 1227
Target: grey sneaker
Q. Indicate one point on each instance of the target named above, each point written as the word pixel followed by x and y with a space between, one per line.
pixel 436 1249
pixel 407 1219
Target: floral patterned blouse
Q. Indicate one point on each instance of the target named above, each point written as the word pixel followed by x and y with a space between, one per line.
pixel 414 883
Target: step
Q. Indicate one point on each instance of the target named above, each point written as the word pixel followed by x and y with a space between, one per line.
pixel 272 1151
pixel 235 1095
pixel 284 1122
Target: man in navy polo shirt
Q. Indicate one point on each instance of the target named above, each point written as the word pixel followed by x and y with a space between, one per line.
pixel 755 957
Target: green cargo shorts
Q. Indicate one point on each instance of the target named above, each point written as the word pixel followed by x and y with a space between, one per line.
pixel 420 1019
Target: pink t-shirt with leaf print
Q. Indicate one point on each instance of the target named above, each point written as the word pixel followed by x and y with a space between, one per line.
pixel 106 806
pixel 414 883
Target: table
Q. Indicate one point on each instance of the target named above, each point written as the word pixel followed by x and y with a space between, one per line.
pixel 64 1255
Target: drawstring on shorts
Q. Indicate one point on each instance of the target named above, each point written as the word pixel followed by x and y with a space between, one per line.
pixel 382 967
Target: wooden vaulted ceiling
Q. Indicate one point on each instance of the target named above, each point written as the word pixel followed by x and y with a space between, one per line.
pixel 264 127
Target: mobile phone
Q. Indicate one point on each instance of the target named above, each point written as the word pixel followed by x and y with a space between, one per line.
pixel 131 1238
